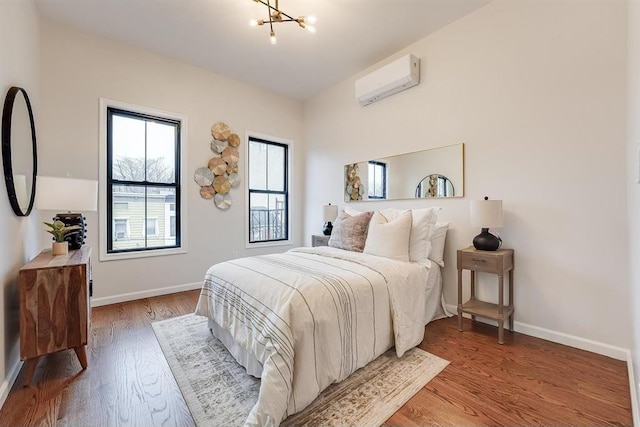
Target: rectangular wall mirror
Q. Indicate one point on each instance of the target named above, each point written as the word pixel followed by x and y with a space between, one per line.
pixel 433 173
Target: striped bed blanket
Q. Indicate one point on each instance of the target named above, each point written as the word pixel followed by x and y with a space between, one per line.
pixel 313 316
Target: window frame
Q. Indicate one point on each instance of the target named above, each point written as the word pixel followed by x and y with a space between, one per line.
pixel 105 178
pixel 288 144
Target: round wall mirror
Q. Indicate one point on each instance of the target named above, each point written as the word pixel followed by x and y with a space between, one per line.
pixel 19 155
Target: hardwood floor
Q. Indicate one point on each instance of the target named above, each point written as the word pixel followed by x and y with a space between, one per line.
pixel 526 381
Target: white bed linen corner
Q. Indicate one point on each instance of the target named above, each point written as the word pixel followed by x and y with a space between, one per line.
pixel 326 311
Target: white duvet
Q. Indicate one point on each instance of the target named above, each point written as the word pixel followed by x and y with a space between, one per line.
pixel 312 316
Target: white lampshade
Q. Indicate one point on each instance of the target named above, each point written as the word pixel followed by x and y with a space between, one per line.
pixel 66 194
pixel 486 213
pixel 329 212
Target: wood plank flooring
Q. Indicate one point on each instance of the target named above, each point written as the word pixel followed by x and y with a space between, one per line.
pixel 526 381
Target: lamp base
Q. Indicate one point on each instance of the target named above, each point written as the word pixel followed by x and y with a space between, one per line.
pixel 327 229
pixel 76 240
pixel 486 241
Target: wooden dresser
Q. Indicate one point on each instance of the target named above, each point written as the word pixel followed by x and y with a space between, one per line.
pixel 54 306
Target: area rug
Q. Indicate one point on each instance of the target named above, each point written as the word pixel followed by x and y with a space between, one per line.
pixel 218 391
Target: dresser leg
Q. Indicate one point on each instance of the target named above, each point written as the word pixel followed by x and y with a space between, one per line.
pixel 82 356
pixel 500 331
pixel 29 369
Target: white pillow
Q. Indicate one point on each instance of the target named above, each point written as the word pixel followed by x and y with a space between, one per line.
pixel 423 223
pixel 437 243
pixel 389 238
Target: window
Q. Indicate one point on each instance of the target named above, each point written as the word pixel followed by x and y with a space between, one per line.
pixel 142 180
pixel 172 226
pixel 120 228
pixel 377 180
pixel 268 172
pixel 152 227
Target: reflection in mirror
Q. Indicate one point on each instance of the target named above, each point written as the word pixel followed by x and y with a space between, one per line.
pixel 435 185
pixel 434 173
pixel 19 150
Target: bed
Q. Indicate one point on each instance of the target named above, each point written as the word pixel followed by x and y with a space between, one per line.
pixel 310 317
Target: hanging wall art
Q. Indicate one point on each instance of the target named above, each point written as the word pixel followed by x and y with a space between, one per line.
pixel 221 173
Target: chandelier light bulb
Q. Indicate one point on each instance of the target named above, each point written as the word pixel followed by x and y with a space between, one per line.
pixel 311 19
pixel 311 29
pixel 253 23
pixel 273 38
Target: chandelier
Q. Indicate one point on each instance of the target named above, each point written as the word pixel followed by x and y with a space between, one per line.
pixel 276 15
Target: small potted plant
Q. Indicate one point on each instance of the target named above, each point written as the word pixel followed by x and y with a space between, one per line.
pixel 59 230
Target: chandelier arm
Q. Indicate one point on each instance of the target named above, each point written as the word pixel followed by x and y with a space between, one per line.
pixel 270 17
pixel 276 9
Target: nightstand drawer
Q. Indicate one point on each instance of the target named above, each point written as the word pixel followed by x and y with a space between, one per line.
pixel 479 262
pixel 318 240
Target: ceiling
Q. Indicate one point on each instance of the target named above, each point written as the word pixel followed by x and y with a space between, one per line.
pixel 214 34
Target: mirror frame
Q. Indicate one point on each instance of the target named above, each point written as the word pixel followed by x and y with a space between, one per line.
pixel 7 113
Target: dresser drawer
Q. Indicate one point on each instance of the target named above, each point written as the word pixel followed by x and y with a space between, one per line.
pixel 479 262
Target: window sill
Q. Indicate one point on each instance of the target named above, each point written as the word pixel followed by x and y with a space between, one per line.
pixel 269 244
pixel 142 254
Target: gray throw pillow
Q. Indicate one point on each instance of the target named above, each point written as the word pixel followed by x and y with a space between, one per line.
pixel 350 232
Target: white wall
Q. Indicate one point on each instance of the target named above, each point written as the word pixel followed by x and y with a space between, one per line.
pixel 78 69
pixel 633 155
pixel 19 58
pixel 537 92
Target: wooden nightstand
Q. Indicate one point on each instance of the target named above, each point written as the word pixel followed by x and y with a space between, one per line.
pixel 54 306
pixel 319 240
pixel 496 262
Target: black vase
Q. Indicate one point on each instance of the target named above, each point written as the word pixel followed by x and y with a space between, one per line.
pixel 486 241
pixel 327 229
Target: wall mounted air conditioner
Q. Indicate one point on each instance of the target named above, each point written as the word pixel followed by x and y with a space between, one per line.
pixel 397 76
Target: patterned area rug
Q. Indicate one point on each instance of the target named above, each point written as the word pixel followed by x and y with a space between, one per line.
pixel 218 391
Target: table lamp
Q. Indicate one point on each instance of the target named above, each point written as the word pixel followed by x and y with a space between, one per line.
pixel 486 214
pixel 329 214
pixel 71 195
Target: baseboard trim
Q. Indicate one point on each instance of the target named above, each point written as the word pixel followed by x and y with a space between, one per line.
pixel 612 351
pixel 5 388
pixel 97 302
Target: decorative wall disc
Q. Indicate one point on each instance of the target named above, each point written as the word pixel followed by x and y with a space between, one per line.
pixel 219 146
pixel 207 192
pixel 220 131
pixel 231 155
pixel 222 171
pixel 221 184
pixel 234 140
pixel 232 168
pixel 234 179
pixel 203 177
pixel 222 201
pixel 217 166
pixel 354 187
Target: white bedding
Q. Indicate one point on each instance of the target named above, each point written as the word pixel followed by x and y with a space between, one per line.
pixel 326 311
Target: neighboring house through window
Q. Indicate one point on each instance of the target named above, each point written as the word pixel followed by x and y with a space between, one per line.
pixel 268 198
